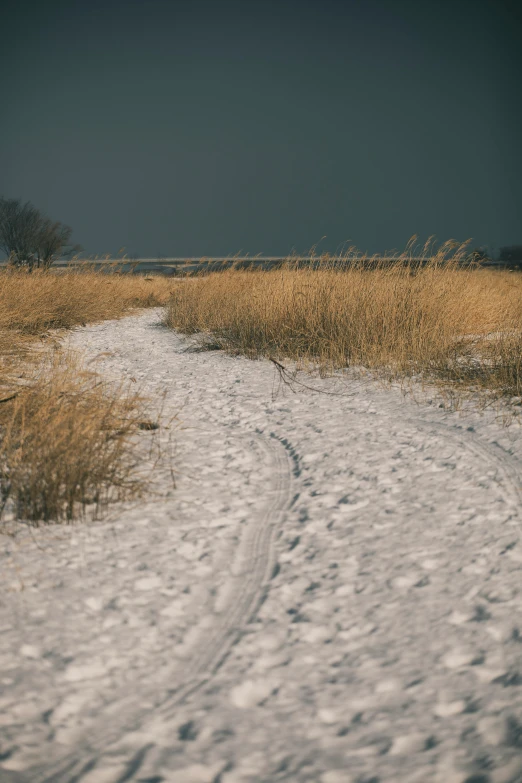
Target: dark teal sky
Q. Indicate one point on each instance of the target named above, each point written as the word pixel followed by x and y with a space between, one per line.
pixel 206 128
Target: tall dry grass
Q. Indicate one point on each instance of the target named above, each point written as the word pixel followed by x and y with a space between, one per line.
pixel 66 443
pixel 438 316
pixel 67 440
pixel 34 303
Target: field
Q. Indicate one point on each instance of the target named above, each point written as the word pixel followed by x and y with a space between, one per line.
pixel 437 319
pixel 67 436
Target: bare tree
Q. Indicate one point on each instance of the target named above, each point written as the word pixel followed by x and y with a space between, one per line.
pixel 19 227
pixel 53 242
pixel 30 238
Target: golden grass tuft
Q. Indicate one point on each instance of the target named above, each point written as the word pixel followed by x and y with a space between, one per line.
pixel 436 316
pixel 66 443
pixel 66 439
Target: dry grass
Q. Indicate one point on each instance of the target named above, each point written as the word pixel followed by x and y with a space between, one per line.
pixel 34 303
pixel 66 438
pixel 438 318
pixel 67 443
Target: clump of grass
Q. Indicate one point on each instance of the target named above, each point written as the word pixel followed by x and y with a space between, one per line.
pixel 67 443
pixel 433 315
pixel 66 439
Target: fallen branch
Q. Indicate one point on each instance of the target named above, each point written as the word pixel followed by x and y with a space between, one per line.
pixel 289 379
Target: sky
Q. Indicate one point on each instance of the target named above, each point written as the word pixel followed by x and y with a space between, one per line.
pixel 196 127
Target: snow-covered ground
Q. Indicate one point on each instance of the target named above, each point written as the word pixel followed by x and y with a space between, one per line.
pixel 331 594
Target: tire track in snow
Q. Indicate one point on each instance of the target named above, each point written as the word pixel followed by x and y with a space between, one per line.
pixel 120 742
pixel 508 465
pixel 254 564
pixel 251 571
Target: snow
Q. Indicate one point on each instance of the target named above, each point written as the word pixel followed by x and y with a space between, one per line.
pixel 331 592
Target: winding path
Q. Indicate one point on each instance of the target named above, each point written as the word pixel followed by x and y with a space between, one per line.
pixel 331 593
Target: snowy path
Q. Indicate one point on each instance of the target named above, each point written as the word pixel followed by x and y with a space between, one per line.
pixel 332 593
